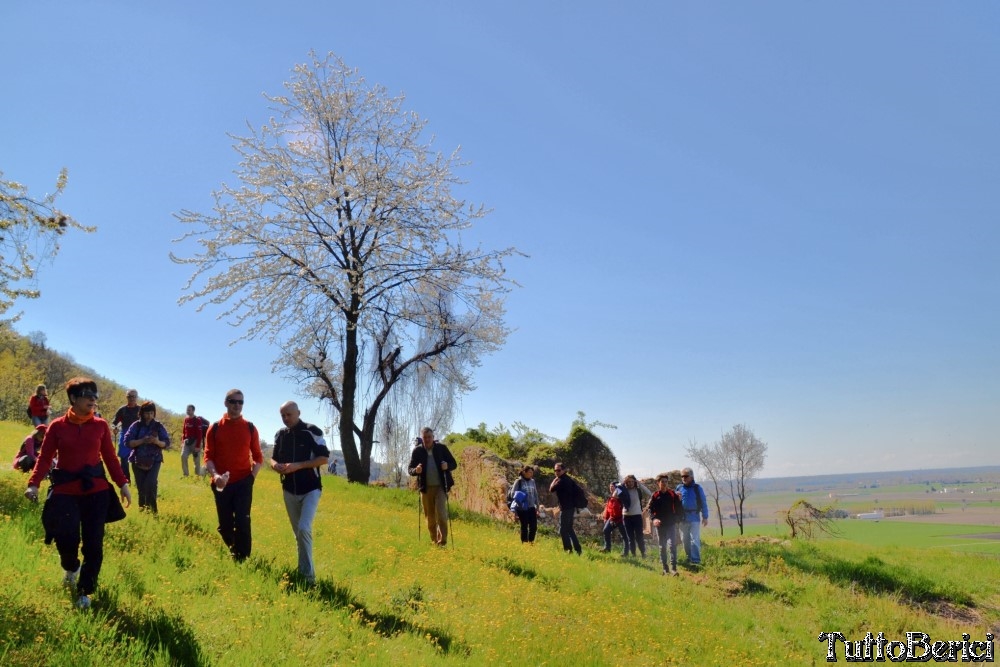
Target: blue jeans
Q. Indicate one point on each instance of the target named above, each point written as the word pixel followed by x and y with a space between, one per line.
pixel 633 526
pixel 566 531
pixel 667 536
pixel 691 536
pixel 301 512
pixel 609 528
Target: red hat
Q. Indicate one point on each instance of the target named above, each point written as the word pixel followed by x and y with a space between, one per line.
pixel 41 427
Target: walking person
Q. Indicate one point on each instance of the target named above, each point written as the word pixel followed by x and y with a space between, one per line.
pixel 80 494
pixel 432 464
pixel 632 513
pixel 527 507
pixel 613 520
pixel 666 512
pixel 38 406
pixel 233 459
pixel 146 438
pixel 695 515
pixel 567 491
pixel 126 415
pixel 193 434
pixel 298 455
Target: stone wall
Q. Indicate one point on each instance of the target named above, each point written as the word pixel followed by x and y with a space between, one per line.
pixel 483 479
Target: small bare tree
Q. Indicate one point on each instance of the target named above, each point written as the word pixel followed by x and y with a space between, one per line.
pixel 806 520
pixel 710 461
pixel 744 454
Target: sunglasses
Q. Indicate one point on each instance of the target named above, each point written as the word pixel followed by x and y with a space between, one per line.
pixel 88 394
pixel 234 401
pixel 685 476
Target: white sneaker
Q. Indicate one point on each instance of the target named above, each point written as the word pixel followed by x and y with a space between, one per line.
pixel 70 577
pixel 83 602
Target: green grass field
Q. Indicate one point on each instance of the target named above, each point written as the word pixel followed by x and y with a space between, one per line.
pixel 889 532
pixel 169 595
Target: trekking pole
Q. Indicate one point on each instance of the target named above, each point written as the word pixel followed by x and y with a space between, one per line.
pixel 419 507
pixel 447 507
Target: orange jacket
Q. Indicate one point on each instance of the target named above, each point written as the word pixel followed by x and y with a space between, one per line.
pixel 233 446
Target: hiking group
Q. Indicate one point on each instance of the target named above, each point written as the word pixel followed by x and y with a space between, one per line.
pixel 675 514
pixel 77 454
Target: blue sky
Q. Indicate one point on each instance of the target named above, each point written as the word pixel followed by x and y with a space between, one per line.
pixel 781 214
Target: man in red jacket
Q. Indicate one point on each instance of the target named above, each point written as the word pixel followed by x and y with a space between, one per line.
pixel 233 459
pixel 194 438
pixel 666 511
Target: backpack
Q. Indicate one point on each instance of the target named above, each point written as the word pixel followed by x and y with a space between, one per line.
pixel 623 495
pixel 249 425
pixel 580 498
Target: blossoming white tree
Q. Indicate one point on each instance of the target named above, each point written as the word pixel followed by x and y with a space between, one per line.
pixel 341 243
pixel 29 233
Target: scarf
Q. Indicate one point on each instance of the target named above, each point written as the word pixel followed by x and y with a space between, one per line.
pixel 74 418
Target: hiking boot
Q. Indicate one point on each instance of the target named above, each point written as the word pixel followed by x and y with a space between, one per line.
pixel 83 602
pixel 69 579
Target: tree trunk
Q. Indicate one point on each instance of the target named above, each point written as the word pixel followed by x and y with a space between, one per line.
pixel 358 466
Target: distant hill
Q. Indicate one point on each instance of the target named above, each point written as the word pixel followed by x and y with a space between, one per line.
pixel 870 479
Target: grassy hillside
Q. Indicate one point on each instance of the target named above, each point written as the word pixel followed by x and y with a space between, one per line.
pixel 169 594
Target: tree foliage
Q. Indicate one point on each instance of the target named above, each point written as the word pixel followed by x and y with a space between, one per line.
pixel 342 244
pixel 806 520
pixel 418 399
pixel 26 362
pixel 29 235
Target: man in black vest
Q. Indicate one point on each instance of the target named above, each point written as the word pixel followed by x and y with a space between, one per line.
pixel 299 453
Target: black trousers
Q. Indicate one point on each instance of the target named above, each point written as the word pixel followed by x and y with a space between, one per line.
pixel 567 532
pixel 529 523
pixel 232 505
pixel 147 484
pixel 93 509
pixel 633 527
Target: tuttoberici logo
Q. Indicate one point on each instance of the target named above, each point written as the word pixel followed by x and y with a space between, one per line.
pixel 918 647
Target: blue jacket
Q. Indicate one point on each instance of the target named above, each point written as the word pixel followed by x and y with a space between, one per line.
pixel 138 431
pixel 694 501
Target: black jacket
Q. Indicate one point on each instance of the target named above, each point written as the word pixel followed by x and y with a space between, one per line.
pixel 302 442
pixel 666 506
pixel 440 453
pixel 566 491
